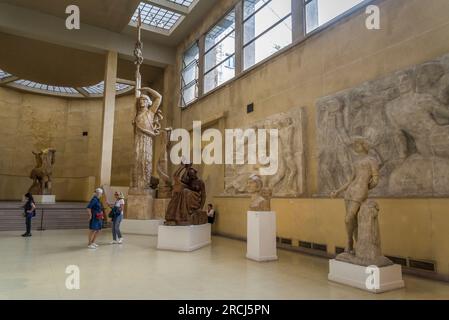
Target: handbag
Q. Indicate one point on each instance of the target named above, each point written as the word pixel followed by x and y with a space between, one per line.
pixel 99 216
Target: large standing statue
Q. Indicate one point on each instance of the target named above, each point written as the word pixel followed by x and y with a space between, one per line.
pixel 42 173
pixel 188 198
pixel 165 187
pixel 146 127
pixel 361 213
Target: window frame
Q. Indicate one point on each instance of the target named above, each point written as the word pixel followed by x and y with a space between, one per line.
pixel 299 35
pixel 195 81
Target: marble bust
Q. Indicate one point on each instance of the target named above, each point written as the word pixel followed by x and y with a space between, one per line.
pixel 260 196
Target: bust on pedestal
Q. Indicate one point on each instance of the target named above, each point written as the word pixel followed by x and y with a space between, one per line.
pixel 362 265
pixel 261 225
pixel 186 227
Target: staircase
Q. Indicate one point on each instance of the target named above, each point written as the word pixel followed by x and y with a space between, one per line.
pixel 64 215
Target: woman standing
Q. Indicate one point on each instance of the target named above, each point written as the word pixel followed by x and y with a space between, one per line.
pixel 96 217
pixel 117 217
pixel 30 212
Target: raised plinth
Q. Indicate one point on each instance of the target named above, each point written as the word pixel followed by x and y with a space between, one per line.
pixel 139 206
pixel 261 236
pixel 184 238
pixel 44 199
pixel 372 279
pixel 141 227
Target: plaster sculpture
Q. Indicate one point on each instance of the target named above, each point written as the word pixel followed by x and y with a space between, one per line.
pixel 361 213
pixel 289 181
pixel 165 187
pixel 188 199
pixel 406 117
pixel 260 196
pixel 42 173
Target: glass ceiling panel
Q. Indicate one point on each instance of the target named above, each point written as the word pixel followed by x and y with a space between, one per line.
pixel 4 74
pixel 185 3
pixel 155 16
pixel 45 87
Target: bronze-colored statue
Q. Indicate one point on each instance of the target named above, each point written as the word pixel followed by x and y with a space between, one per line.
pixel 361 213
pixel 146 127
pixel 188 199
pixel 42 173
pixel 260 196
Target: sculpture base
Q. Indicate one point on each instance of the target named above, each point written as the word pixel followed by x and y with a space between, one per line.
pixel 184 238
pixel 141 227
pixel 261 236
pixel 375 279
pixel 160 208
pixel 139 206
pixel 44 199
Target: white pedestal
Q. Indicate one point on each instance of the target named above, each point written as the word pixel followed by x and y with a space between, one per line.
pixel 261 236
pixel 376 280
pixel 45 199
pixel 184 238
pixel 142 227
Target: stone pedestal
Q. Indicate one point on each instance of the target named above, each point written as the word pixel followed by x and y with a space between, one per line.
pixel 159 208
pixel 139 206
pixel 141 227
pixel 261 236
pixel 184 238
pixel 44 199
pixel 372 279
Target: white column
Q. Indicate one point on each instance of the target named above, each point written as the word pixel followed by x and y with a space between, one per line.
pixel 110 80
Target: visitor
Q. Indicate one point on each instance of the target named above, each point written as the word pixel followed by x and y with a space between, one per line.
pixel 210 213
pixel 29 213
pixel 96 217
pixel 117 217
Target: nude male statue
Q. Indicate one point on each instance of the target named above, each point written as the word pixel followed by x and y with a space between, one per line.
pixel 365 177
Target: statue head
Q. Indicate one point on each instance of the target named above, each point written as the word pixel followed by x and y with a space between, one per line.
pixel 334 105
pixel 406 82
pixel 144 101
pixel 360 145
pixel 192 173
pixel 254 184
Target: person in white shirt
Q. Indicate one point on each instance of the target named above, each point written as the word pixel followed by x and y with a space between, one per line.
pixel 210 214
pixel 117 217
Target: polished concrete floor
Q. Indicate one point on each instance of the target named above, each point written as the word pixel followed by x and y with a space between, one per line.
pixel 34 268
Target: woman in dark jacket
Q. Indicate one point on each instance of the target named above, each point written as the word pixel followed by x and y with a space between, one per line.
pixel 29 213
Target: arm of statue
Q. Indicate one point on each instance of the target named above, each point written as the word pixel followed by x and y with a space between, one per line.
pixel 145 131
pixel 375 175
pixel 155 97
pixel 336 193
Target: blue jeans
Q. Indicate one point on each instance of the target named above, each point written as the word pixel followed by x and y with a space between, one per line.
pixel 28 217
pixel 116 227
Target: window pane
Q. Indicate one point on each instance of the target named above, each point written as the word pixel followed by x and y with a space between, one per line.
pixel 268 44
pixel 189 74
pixel 190 55
pixel 221 52
pixel 319 12
pixel 221 30
pixel 219 75
pixel 251 6
pixel 189 94
pixel 274 11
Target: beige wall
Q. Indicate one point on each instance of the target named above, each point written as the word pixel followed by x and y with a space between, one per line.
pixel 342 56
pixel 30 122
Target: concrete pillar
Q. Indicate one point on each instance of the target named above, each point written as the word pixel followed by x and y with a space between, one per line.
pixel 110 80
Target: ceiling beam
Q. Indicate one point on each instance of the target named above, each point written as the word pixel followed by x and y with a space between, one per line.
pixel 83 92
pixel 171 6
pixel 125 81
pixel 32 24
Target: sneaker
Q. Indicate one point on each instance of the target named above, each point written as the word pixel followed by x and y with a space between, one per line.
pixel 92 247
pixel 114 242
pixel 95 245
pixel 120 241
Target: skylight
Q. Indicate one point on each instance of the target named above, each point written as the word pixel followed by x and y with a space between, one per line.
pixel 157 17
pixel 85 92
pixel 4 75
pixel 185 3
